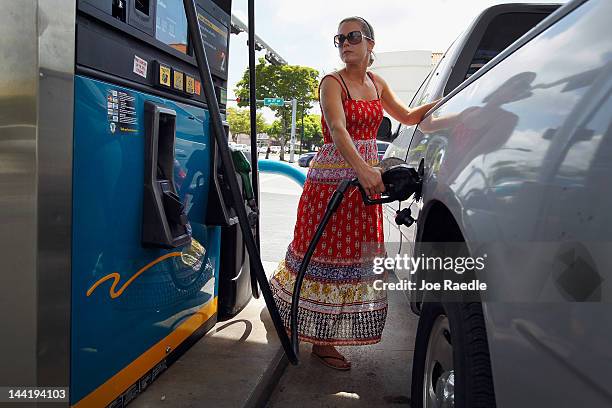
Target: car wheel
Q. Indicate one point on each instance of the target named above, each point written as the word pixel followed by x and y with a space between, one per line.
pixel 451 365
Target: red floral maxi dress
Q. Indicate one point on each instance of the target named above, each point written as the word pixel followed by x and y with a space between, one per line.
pixel 338 303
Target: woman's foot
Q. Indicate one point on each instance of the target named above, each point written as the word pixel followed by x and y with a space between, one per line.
pixel 329 356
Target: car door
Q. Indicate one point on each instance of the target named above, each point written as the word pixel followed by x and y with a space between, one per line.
pixel 401 237
pixel 399 148
pixel 528 164
pixel 493 31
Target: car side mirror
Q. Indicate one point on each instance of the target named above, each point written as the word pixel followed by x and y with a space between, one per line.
pixel 384 130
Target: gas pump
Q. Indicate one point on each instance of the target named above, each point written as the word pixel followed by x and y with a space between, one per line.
pixel 130 225
pixel 122 244
pixel 156 255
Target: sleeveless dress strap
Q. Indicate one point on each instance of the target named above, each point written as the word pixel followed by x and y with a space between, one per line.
pixel 374 82
pixel 347 91
pixel 344 89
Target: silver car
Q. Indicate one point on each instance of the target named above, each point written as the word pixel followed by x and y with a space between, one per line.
pixel 516 162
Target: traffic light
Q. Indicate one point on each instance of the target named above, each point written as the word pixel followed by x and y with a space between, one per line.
pixel 237 99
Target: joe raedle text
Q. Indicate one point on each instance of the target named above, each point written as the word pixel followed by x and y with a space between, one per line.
pixel 447 285
pixel 456 266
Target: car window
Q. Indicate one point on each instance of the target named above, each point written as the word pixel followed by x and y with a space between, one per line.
pixel 399 147
pixel 417 95
pixel 443 70
pixel 502 31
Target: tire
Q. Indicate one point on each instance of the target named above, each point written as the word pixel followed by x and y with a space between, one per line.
pixel 462 327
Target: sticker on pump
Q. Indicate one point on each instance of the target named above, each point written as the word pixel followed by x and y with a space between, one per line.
pixel 164 75
pixel 190 84
pixel 140 66
pixel 123 116
pixel 198 87
pixel 178 80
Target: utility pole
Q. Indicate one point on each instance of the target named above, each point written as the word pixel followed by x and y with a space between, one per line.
pixel 302 132
pixel 293 113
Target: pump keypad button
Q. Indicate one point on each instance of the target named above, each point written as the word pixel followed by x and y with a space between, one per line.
pixel 164 75
pixel 179 80
pixel 190 84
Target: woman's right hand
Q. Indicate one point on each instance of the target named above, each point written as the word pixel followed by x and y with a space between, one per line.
pixel 370 179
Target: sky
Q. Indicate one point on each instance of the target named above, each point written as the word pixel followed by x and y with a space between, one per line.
pixel 302 31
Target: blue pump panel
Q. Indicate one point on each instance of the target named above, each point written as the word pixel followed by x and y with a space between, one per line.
pixel 127 298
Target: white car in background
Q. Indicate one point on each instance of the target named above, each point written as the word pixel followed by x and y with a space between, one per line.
pixel 241 147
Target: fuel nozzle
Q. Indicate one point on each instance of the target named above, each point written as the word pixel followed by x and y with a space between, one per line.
pixel 401 182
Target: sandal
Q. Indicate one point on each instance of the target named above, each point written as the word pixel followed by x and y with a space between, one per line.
pixel 323 358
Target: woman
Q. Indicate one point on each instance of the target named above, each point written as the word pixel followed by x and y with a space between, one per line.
pixel 338 304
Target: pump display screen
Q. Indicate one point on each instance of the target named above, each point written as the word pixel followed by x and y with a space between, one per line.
pixel 171 24
pixel 215 36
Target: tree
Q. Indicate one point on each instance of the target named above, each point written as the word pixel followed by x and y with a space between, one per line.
pixel 240 122
pixel 275 131
pixel 281 81
pixel 313 135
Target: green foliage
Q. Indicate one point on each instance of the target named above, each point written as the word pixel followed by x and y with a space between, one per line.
pixel 281 81
pixel 313 135
pixel 275 130
pixel 240 121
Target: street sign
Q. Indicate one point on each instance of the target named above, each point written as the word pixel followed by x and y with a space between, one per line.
pixel 274 102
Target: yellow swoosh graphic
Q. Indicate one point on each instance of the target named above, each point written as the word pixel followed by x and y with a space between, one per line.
pixel 116 277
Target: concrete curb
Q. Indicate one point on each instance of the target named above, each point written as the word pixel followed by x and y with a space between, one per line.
pixel 268 381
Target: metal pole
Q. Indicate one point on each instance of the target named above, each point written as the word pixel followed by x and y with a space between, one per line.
pixel 232 182
pixel 302 135
pixel 254 149
pixel 293 113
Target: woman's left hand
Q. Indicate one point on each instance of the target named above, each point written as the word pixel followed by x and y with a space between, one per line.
pixel 419 112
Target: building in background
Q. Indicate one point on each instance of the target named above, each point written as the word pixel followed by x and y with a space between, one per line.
pixel 405 70
pixel 435 58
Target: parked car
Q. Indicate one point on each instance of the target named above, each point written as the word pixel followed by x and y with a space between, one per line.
pixel 520 154
pixel 489 34
pixel 306 158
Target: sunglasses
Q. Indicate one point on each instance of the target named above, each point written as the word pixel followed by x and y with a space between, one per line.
pixel 354 38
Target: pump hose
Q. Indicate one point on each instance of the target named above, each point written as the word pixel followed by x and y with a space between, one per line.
pixel 228 168
pixel 332 206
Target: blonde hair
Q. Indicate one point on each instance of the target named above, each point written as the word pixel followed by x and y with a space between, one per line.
pixel 365 27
